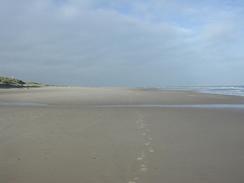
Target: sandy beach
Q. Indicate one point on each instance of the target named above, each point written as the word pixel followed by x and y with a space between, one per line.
pixel 120 135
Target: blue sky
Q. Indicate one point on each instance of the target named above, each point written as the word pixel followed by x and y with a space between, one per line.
pixel 149 43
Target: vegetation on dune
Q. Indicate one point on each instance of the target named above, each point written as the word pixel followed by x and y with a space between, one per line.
pixel 7 82
pixel 11 81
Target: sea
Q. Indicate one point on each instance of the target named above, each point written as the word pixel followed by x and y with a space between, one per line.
pixel 222 90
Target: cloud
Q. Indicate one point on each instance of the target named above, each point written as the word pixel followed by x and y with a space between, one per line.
pixel 115 42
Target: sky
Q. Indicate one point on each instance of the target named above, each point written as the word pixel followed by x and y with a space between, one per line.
pixel 132 43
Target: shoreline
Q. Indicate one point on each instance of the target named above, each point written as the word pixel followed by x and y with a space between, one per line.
pixel 113 96
pixel 186 89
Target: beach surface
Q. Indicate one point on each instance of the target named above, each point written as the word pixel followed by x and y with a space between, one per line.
pixel 120 135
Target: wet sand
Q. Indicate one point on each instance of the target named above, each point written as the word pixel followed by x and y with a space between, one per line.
pixel 93 135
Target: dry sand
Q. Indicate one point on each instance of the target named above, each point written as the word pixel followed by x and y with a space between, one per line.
pixel 56 134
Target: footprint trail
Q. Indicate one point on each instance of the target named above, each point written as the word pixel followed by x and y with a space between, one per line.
pixel 142 160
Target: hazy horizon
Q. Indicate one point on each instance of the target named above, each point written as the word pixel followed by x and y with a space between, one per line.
pixel 123 43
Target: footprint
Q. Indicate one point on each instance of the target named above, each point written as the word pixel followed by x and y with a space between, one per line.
pixel 139 158
pixel 143 168
pixel 151 150
pixel 147 143
pixel 142 154
pixel 136 178
pixel 142 126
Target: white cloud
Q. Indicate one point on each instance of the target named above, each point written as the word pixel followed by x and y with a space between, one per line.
pixel 100 43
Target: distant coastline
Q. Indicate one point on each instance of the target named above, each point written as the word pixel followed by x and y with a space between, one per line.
pixel 7 82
